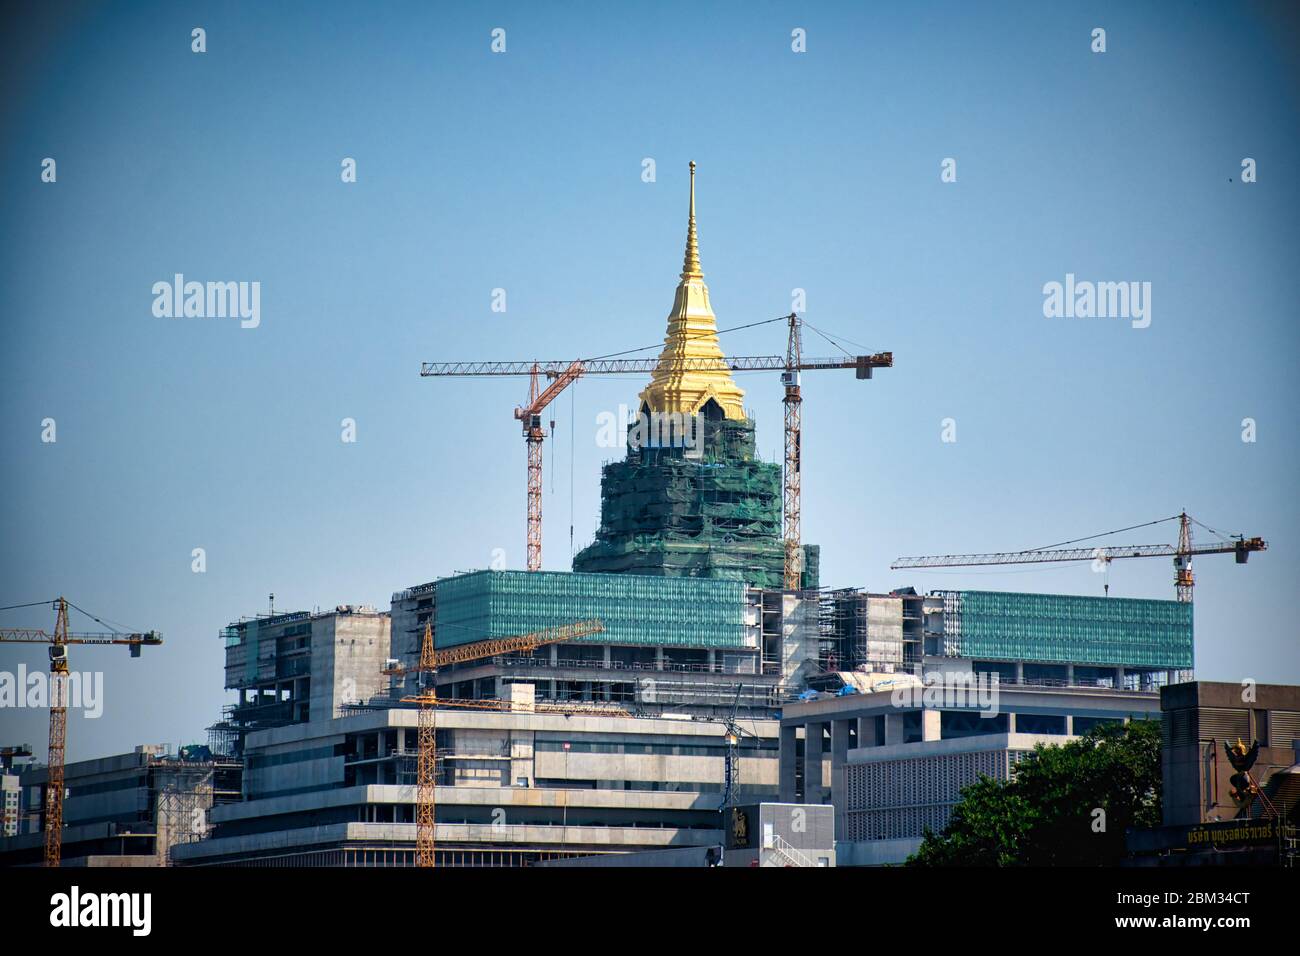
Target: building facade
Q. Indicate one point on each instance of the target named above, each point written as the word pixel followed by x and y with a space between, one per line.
pixel 893 762
pixel 698 646
pixel 299 666
pixel 514 788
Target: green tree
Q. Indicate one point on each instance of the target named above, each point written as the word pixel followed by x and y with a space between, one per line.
pixel 1067 805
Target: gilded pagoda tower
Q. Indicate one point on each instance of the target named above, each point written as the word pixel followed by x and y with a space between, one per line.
pixel 707 507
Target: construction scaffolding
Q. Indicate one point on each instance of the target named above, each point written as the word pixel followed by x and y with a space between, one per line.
pixel 634 609
pixel 1130 632
pixel 183 792
pixel 710 510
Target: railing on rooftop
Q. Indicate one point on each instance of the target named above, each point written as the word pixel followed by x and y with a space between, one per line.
pixel 418 591
pixel 526 661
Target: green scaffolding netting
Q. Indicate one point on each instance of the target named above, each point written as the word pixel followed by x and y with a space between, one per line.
pixel 1132 632
pixel 714 514
pixel 634 609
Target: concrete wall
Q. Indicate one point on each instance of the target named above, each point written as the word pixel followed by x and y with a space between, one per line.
pixel 884 631
pixel 800 639
pixel 781 834
pixel 687 856
pixel 349 651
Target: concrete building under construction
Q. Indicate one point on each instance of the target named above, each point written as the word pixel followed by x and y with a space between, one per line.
pixel 290 667
pixel 695 646
pixel 513 788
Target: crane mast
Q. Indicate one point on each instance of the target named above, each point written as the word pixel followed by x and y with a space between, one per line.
pixel 426 764
pixel 58 737
pixel 792 486
pixel 1183 580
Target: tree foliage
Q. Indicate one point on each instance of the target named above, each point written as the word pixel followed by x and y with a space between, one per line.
pixel 1048 814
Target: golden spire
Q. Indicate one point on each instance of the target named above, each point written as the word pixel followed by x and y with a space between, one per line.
pixel 691 265
pixel 692 335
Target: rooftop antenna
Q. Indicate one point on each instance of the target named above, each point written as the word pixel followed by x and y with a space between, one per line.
pixel 272 599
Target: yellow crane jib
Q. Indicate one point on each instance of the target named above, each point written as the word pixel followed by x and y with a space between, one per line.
pixel 494 647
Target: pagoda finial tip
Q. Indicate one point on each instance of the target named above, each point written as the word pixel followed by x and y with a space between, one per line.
pixel 691 265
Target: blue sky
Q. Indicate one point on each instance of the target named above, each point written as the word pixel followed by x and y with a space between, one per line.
pixel 522 171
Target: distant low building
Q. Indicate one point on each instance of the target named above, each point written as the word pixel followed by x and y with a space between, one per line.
pixel 131 809
pixel 10 804
pixel 892 768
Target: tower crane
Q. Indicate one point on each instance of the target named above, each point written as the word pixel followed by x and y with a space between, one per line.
pixel 58 694
pixel 426 774
pixel 1182 553
pixel 732 732
pixel 561 374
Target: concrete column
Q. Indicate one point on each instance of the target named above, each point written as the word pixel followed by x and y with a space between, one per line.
pixel 607 658
pixel 867 732
pixel 813 785
pixel 1011 722
pixel 931 724
pixel 785 792
pixel 712 657
pixel 555 654
pixel 893 729
pixel 1020 672
pixel 1069 725
pixel 1119 678
pixel 839 743
pixel 1069 674
pixel 840 731
pixel 659 658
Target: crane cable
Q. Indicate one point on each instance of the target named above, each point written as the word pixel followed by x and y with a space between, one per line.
pixel 1147 524
pixel 117 629
pixel 112 626
pixel 644 348
pixel 1103 534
